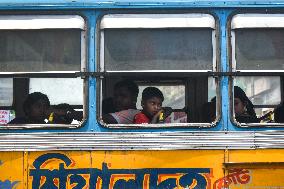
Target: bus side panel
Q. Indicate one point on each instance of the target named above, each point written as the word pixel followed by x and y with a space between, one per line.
pixel 12 172
pixel 264 168
pixel 125 169
pixel 214 169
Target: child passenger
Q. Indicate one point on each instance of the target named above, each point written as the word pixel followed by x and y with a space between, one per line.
pixel 151 103
pixel 36 107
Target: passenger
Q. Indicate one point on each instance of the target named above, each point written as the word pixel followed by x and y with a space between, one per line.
pixel 124 102
pixel 61 114
pixel 36 107
pixel 152 99
pixel 279 113
pixel 244 109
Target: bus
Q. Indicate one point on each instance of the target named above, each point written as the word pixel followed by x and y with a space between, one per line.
pixel 71 54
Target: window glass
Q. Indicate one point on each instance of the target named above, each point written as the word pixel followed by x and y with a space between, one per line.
pixel 59 90
pixel 6 91
pixel 259 49
pixel 211 88
pixel 158 49
pixel 259 45
pixel 40 50
pixel 258 101
pixel 261 90
pixel 37 44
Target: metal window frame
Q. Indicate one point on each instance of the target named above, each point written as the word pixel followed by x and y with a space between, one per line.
pixel 144 24
pixel 251 21
pixel 43 22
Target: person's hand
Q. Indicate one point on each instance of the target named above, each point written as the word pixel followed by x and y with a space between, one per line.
pixel 156 116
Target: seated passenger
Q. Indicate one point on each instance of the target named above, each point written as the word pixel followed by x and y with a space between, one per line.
pixel 244 109
pixel 279 113
pixel 124 102
pixel 61 114
pixel 152 99
pixel 36 107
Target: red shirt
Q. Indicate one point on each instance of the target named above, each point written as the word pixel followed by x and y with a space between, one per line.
pixel 141 118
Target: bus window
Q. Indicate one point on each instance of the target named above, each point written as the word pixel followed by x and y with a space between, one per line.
pixel 163 51
pixel 41 54
pixel 257 46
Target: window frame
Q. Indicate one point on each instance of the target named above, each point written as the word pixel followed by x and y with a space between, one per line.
pixel 187 73
pixel 47 22
pixel 251 21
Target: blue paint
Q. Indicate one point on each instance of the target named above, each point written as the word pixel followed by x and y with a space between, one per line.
pixel 103 4
pixel 7 184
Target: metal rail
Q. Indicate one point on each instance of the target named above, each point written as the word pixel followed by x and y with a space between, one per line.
pixel 140 141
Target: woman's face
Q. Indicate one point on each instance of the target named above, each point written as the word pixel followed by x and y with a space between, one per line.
pixel 239 106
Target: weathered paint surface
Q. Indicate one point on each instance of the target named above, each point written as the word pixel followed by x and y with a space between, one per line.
pixel 11 170
pixel 142 169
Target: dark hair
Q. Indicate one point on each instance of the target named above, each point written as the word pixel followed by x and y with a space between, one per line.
pixel 240 94
pixel 151 92
pixel 64 106
pixel 130 85
pixel 32 99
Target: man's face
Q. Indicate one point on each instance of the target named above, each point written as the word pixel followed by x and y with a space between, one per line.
pixel 123 99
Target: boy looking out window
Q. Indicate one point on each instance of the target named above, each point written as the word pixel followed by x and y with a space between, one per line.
pixel 152 99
